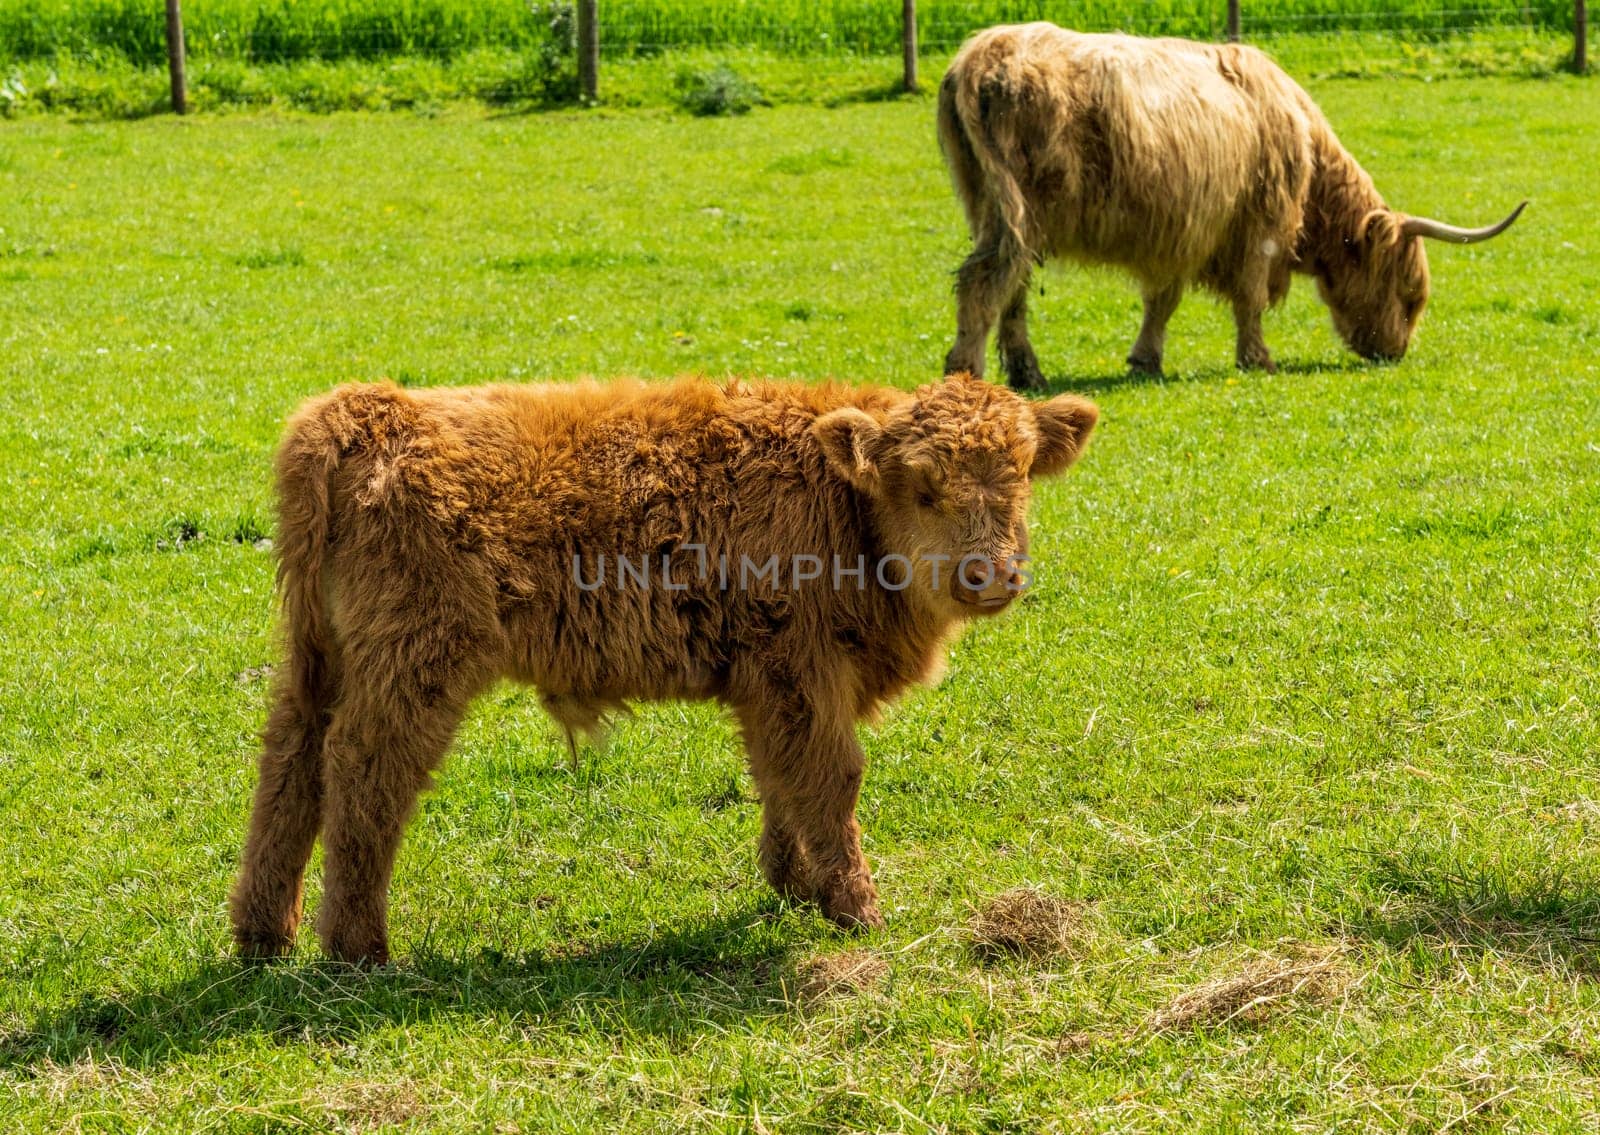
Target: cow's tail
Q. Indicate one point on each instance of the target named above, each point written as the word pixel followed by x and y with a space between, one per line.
pixel 972 100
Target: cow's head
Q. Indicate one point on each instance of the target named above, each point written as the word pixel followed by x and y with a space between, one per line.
pixel 1376 284
pixel 948 475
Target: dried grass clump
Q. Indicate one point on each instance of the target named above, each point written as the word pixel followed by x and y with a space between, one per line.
pixel 1029 923
pixel 361 1105
pixel 1267 986
pixel 63 1083
pixel 849 973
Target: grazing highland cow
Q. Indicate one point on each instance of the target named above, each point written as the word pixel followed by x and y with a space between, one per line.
pixel 1183 163
pixel 801 554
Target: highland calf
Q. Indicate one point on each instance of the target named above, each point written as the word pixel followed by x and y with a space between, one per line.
pixel 800 554
pixel 1182 163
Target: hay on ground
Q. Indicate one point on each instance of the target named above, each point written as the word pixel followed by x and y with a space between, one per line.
pixel 827 975
pixel 1029 923
pixel 1266 987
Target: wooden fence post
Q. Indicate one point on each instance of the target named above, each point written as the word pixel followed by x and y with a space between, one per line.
pixel 180 85
pixel 908 41
pixel 589 51
pixel 1580 36
pixel 1233 21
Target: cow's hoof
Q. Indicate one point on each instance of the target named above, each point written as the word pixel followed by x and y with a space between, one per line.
pixel 1025 376
pixel 955 364
pixel 1144 368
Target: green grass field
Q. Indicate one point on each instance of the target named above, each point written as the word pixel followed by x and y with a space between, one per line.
pixel 1309 677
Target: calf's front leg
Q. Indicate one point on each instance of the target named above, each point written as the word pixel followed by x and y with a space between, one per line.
pixel 783 860
pixel 808 766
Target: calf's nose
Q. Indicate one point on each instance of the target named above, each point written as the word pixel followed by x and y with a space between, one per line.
pixel 988 576
pixel 1007 575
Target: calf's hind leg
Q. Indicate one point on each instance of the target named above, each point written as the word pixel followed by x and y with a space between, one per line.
pixel 265 904
pixel 416 661
pixel 388 734
pixel 783 860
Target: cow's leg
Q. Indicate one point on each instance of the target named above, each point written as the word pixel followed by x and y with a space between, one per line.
pixel 985 284
pixel 1016 352
pixel 783 860
pixel 265 905
pixel 1251 352
pixel 812 763
pixel 1160 301
pixel 1250 299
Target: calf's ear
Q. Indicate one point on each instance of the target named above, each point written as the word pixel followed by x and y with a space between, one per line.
pixel 847 437
pixel 1065 423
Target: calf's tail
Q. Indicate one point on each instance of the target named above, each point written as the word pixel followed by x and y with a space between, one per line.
pixel 306 463
pixel 321 437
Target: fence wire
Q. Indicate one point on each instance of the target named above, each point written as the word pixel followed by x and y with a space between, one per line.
pixel 274 31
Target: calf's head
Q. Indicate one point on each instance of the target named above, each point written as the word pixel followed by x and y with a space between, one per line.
pixel 1376 283
pixel 948 476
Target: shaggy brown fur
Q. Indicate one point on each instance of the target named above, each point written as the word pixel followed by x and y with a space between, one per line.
pixel 427 542
pixel 1182 163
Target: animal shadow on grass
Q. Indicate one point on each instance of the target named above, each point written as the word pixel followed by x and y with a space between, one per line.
pixel 1064 383
pixel 1343 365
pixel 1546 922
pixel 721 971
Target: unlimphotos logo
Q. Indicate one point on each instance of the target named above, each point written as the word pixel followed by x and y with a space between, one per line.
pixel 892 572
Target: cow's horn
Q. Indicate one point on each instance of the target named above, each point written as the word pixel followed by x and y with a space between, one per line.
pixel 1424 226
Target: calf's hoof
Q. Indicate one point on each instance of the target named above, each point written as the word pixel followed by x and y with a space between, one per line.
pixel 361 951
pixel 256 946
pixel 851 904
pixel 791 885
pixel 857 921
